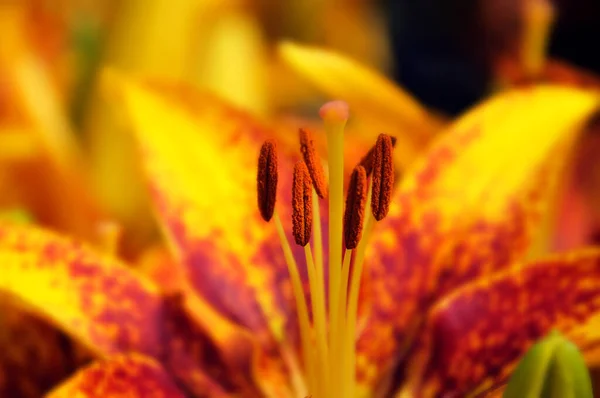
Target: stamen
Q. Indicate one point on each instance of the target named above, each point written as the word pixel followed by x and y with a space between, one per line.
pixel 367 160
pixel 383 177
pixel 318 297
pixel 355 207
pixel 266 180
pixel 315 168
pixel 318 310
pixel 298 292
pixel 352 314
pixel 301 204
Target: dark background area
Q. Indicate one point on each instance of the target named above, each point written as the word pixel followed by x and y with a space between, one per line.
pixel 443 48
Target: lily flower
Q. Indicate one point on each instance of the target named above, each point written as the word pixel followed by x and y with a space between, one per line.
pixel 448 300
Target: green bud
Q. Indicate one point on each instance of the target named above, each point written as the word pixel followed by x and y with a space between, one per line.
pixel 552 368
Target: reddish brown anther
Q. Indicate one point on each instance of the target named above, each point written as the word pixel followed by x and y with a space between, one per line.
pixel 356 201
pixel 311 158
pixel 367 160
pixel 266 180
pixel 383 177
pixel 301 204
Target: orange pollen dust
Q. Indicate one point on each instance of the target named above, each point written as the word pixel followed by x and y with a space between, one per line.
pixel 383 177
pixel 266 179
pixel 354 214
pixel 301 204
pixel 315 168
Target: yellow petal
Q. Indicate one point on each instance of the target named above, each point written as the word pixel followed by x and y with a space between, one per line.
pixel 200 157
pixel 469 207
pixel 384 105
pixel 99 301
pixel 235 66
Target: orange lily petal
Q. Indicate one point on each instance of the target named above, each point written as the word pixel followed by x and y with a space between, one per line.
pixel 474 337
pixel 467 209
pixel 158 264
pixel 101 302
pixel 200 157
pixel 111 309
pixel 126 376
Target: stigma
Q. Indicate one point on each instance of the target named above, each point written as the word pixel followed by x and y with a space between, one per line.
pixel 328 338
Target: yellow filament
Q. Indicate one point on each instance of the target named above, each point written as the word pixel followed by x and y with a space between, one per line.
pixel 335 144
pixel 321 316
pixel 349 348
pixel 318 309
pixel 340 319
pixel 318 239
pixel 344 289
pixel 298 292
pixel 538 19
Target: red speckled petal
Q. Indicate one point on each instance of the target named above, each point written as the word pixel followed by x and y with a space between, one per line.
pixel 121 376
pixel 200 157
pixel 467 209
pixel 100 301
pixel 111 309
pixel 474 337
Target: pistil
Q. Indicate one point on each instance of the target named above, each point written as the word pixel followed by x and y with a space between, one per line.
pixel 335 115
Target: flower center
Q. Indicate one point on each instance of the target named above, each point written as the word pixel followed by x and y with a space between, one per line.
pixel 328 340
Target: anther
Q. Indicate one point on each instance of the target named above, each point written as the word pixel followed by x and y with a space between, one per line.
pixel 355 207
pixel 301 204
pixel 367 160
pixel 315 169
pixel 266 180
pixel 383 177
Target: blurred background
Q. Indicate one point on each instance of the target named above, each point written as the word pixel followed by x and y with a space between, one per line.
pixel 67 161
pixel 61 149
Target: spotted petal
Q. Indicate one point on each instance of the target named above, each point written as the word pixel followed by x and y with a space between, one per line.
pixel 126 376
pixel 470 207
pixel 474 337
pixel 103 303
pixel 200 157
pixel 110 309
